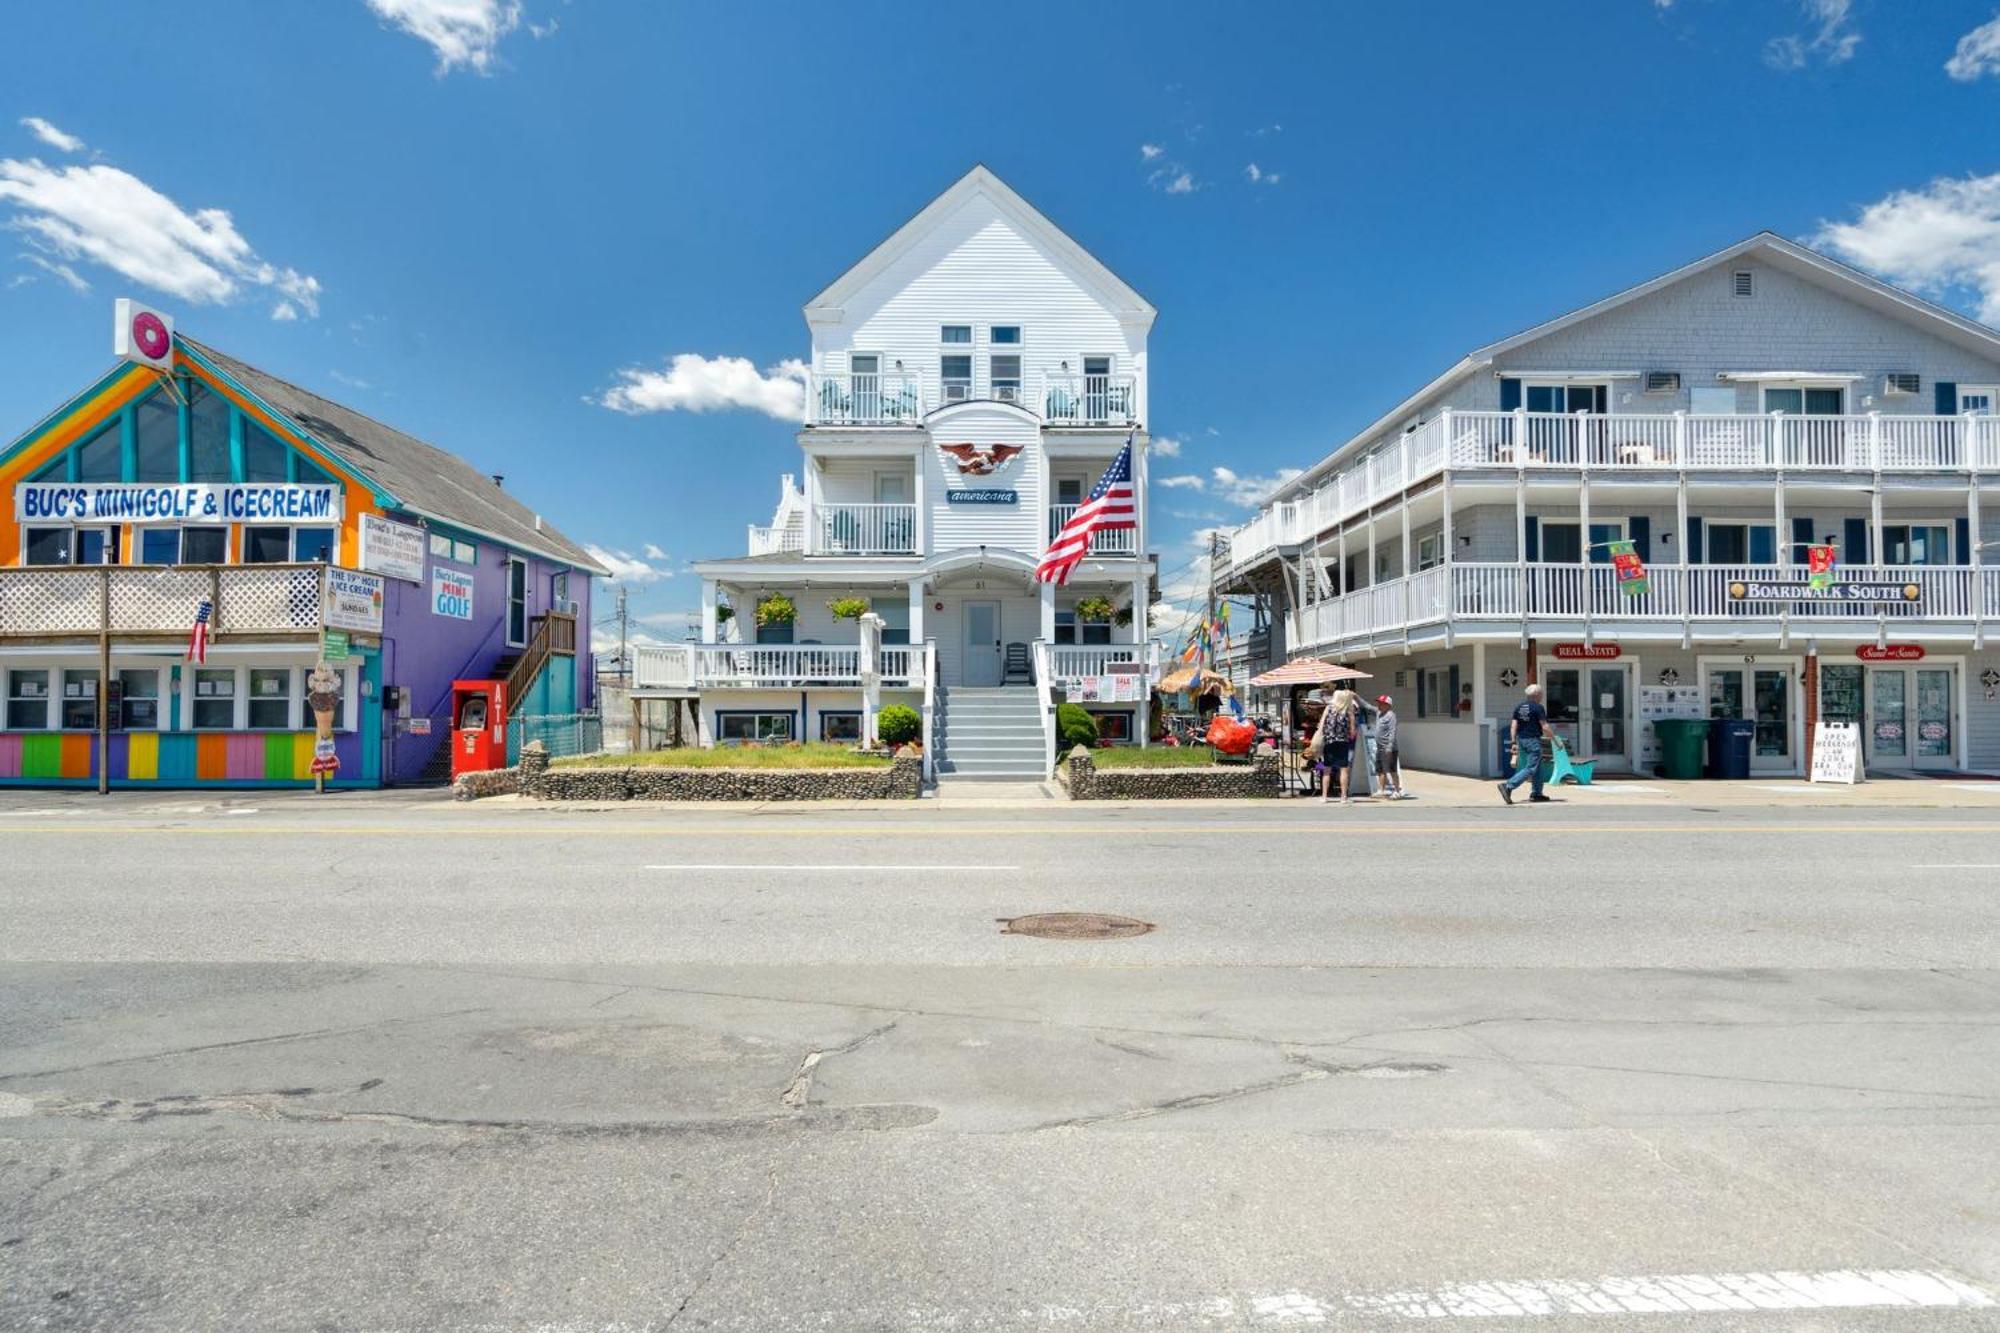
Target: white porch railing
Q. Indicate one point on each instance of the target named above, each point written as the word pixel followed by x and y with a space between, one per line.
pixel 1115 541
pixel 768 540
pixel 1526 441
pixel 1069 659
pixel 1045 695
pixel 1510 592
pixel 885 399
pixel 867 529
pixel 699 666
pixel 1090 400
pixel 930 709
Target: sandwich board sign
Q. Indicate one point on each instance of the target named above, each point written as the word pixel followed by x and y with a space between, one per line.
pixel 1836 753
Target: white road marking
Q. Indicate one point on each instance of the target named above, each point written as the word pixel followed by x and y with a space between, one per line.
pixel 1964 866
pixel 720 866
pixel 1792 788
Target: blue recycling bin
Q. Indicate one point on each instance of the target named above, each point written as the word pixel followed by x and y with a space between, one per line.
pixel 1729 742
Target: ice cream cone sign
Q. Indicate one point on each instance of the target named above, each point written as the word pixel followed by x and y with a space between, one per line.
pixel 323 694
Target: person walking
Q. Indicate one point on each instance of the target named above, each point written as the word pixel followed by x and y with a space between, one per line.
pixel 1527 729
pixel 1388 764
pixel 1338 727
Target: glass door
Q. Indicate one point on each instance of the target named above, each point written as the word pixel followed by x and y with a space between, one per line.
pixel 1911 718
pixel 1562 696
pixel 982 644
pixel 1763 695
pixel 1934 729
pixel 1889 718
pixel 1609 722
pixel 865 392
pixel 1590 710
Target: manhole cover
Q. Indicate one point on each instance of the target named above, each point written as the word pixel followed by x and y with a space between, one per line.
pixel 1074 926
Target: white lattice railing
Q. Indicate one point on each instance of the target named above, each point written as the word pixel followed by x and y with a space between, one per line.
pixel 247 599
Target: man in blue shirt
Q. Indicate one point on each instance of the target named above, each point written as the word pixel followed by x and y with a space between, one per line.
pixel 1526 730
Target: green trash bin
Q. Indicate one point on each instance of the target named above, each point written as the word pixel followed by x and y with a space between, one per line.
pixel 1682 746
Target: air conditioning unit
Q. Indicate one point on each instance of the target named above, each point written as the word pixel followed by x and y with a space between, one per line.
pixel 1901 383
pixel 1663 381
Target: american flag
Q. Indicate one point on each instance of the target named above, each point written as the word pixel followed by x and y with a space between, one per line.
pixel 198 636
pixel 1110 506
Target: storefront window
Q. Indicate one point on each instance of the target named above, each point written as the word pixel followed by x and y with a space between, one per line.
pixel 139 700
pixel 1840 694
pixel 312 544
pixel 28 699
pixel 845 727
pixel 204 546
pixel 48 546
pixel 160 546
pixel 102 456
pixel 79 701
pixel 96 546
pixel 157 423
pixel 214 698
pixel 264 456
pixel 267 545
pixel 270 698
pixel 741 727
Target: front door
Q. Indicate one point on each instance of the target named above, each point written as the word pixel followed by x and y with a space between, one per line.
pixel 1910 717
pixel 1764 694
pixel 982 643
pixel 1590 708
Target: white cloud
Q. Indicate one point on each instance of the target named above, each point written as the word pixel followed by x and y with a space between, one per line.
pixel 462 32
pixel 695 383
pixel 1832 41
pixel 64 272
pixel 1179 181
pixel 1265 131
pixel 52 136
pixel 1942 240
pixel 1978 53
pixel 653 552
pixel 1256 175
pixel 1188 481
pixel 284 312
pixel 544 31
pixel 1166 446
pixel 628 568
pixel 1149 151
pixel 111 217
pixel 1248 491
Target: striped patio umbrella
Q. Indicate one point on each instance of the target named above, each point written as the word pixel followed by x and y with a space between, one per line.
pixel 1306 671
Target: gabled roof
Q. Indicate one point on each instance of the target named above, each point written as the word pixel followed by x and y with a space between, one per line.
pixel 980 181
pixel 1768 246
pixel 422 478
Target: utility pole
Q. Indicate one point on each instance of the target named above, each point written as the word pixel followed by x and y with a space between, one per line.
pixel 624 620
pixel 1214 553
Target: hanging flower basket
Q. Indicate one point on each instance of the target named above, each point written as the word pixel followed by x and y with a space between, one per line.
pixel 1094 610
pixel 777 609
pixel 847 608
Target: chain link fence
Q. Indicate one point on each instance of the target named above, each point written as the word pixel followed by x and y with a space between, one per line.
pixel 561 734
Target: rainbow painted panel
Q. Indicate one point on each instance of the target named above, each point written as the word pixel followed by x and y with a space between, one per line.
pixel 142 756
pixel 302 755
pixel 78 756
pixel 10 756
pixel 41 755
pixel 246 758
pixel 177 757
pixel 211 756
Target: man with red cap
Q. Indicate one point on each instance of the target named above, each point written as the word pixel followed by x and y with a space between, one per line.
pixel 1388 769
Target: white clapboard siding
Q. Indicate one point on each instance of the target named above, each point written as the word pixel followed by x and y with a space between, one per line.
pixel 1015 527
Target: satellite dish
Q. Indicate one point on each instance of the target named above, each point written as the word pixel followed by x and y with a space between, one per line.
pixel 143 335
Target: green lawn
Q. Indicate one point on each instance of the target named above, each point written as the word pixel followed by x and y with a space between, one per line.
pixel 1154 756
pixel 816 755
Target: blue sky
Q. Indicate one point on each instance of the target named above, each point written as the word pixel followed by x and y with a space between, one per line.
pixel 472 218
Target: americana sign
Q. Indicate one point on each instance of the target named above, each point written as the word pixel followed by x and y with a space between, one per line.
pixel 168 502
pixel 982 497
pixel 1839 590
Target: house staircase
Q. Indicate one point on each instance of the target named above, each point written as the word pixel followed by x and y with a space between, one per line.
pixel 991 735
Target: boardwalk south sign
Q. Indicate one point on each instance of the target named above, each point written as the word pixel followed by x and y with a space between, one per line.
pixel 128 502
pixel 1856 594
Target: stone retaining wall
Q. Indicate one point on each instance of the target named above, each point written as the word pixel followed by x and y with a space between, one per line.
pixel 902 779
pixel 1087 782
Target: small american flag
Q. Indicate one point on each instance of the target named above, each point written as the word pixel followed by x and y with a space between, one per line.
pixel 198 636
pixel 1110 506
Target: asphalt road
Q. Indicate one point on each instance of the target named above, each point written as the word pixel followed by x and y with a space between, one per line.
pixel 384 1064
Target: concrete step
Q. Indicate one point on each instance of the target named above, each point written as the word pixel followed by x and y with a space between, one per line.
pixel 992 770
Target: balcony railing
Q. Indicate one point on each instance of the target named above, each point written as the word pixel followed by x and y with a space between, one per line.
pixel 1531 441
pixel 698 666
pixel 1113 541
pixel 871 529
pixel 1090 400
pixel 766 540
pixel 883 399
pixel 1510 592
pixel 46 600
pixel 1091 659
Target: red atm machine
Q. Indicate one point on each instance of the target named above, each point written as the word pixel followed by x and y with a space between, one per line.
pixel 478 725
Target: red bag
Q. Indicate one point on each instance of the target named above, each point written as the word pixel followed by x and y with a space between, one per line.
pixel 1230 736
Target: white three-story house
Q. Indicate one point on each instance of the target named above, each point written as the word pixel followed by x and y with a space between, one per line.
pixel 971 377
pixel 1724 418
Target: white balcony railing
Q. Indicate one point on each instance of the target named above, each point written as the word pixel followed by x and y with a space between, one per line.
pixel 767 540
pixel 1113 541
pixel 870 529
pixel 162 600
pixel 883 399
pixel 1510 592
pixel 1090 400
pixel 1068 659
pixel 1531 441
pixel 698 666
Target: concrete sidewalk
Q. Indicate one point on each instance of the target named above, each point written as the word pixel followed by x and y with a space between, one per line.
pixel 1950 793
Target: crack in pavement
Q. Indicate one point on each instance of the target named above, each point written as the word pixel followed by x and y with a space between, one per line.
pixel 728 1248
pixel 798 1094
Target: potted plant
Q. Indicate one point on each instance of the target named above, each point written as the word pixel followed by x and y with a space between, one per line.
pixel 777 609
pixel 847 608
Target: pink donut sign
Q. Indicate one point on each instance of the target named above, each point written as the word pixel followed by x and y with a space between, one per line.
pixel 143 335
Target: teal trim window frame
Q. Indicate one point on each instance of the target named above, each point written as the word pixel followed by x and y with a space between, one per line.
pixel 197 431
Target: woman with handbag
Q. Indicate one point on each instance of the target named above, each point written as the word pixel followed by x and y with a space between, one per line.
pixel 1339 726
